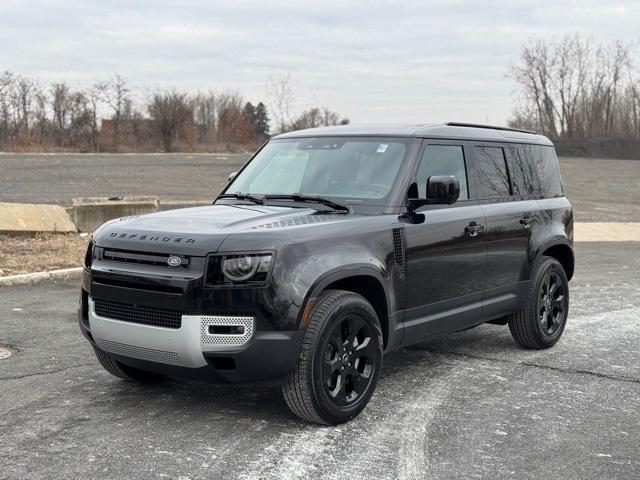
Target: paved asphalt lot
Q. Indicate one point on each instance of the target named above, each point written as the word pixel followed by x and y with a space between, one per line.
pixel 470 405
pixel 601 190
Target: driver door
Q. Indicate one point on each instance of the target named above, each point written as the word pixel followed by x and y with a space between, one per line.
pixel 446 251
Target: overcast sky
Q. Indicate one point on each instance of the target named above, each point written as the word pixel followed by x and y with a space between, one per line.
pixel 374 61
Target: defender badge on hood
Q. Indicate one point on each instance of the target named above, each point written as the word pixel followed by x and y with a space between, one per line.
pixel 153 238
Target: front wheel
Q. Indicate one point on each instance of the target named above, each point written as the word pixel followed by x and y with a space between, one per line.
pixel 541 322
pixel 339 362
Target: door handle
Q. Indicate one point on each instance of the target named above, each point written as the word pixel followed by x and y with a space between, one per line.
pixel 473 229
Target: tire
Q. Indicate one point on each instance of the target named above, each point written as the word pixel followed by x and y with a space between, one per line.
pixel 126 372
pixel 339 362
pixel 541 322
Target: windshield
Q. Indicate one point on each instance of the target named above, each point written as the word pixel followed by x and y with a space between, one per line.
pixel 350 167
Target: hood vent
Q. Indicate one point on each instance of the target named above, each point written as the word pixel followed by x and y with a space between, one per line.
pixel 294 221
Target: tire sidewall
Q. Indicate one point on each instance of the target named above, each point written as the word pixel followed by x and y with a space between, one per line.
pixel 349 305
pixel 549 264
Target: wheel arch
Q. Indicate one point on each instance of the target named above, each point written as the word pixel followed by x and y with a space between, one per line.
pixel 562 251
pixel 364 280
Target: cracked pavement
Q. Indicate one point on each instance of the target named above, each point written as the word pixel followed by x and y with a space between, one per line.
pixel 468 405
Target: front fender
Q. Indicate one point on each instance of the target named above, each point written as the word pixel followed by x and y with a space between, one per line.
pixel 301 274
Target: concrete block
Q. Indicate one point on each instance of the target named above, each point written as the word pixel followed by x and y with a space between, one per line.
pixel 34 218
pixel 88 213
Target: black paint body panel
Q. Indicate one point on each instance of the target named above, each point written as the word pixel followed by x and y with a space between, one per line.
pixel 436 277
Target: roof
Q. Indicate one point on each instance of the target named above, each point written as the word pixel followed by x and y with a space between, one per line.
pixel 429 130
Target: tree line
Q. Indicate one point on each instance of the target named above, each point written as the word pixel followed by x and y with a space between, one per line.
pixel 576 88
pixel 104 117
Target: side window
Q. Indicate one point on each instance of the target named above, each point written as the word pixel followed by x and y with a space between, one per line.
pixel 525 179
pixel 493 176
pixel 541 167
pixel 443 160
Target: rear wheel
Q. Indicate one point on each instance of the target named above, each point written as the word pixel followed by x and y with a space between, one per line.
pixel 126 372
pixel 541 323
pixel 339 362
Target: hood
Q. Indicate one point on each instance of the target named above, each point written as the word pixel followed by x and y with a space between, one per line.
pixel 200 230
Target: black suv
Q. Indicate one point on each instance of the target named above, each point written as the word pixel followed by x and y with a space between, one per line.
pixel 330 247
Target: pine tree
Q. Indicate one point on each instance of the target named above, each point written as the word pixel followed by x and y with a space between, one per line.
pixel 249 114
pixel 262 122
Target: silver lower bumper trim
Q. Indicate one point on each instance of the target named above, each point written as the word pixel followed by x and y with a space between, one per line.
pixel 182 347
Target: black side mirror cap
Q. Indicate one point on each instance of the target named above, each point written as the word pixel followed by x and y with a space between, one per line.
pixel 441 190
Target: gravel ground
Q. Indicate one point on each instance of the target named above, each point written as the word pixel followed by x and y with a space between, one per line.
pixel 601 190
pixel 469 405
pixel 57 178
pixel 20 254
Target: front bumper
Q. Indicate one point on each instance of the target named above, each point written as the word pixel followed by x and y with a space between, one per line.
pixel 195 350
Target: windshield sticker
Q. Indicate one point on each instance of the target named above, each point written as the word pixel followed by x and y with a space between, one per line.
pixel 382 147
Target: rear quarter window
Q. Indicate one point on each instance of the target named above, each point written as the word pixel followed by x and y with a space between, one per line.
pixel 534 171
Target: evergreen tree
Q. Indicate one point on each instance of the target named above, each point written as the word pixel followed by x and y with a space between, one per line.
pixel 262 122
pixel 249 114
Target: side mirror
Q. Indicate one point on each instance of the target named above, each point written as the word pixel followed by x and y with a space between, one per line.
pixel 441 190
pixel 232 175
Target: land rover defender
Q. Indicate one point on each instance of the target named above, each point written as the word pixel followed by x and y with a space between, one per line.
pixel 330 247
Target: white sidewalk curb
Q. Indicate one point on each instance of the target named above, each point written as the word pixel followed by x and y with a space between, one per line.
pixel 34 277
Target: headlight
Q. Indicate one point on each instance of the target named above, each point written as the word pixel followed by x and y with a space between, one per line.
pixel 239 268
pixel 249 269
pixel 88 257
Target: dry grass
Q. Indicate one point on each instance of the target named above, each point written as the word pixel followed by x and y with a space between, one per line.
pixel 20 254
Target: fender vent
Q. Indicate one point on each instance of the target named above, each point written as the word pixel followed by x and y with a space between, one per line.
pixel 399 248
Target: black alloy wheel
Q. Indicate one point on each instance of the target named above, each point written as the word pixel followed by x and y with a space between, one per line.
pixel 348 363
pixel 339 362
pixel 552 302
pixel 542 320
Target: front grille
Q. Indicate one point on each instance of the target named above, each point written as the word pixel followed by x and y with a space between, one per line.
pixel 141 258
pixel 157 317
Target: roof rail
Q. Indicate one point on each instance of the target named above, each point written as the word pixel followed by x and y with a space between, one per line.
pixel 491 127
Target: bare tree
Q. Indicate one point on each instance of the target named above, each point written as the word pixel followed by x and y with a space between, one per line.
pixel 60 105
pixel 204 105
pixel 572 88
pixel 232 126
pixel 96 96
pixel 117 96
pixel 316 117
pixel 24 93
pixel 6 92
pixel 171 112
pixel 281 94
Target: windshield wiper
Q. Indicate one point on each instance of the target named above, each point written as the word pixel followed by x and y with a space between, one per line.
pixel 243 196
pixel 299 197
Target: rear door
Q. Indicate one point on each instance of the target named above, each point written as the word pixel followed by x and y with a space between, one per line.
pixel 509 216
pixel 445 250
